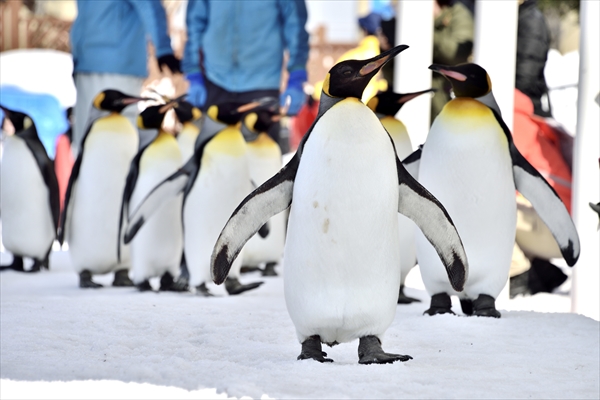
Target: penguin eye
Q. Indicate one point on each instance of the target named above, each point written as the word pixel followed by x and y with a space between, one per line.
pixel 347 72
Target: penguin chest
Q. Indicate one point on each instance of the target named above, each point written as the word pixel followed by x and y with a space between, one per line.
pixel 98 191
pixel 341 254
pixel 27 225
pixel 187 139
pixel 159 242
pixel 399 135
pixel 466 164
pixel 222 183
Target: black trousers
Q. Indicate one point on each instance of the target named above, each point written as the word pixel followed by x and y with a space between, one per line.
pixel 217 95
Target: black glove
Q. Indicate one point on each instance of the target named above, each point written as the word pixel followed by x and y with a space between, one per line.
pixel 170 61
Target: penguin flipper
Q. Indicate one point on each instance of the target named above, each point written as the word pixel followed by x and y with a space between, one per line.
pixel 70 188
pixel 272 197
pixel 130 182
pixel 431 217
pixel 264 230
pixel 531 184
pixel 168 188
pixel 413 161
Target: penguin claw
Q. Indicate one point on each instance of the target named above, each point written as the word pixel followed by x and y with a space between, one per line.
pixel 144 286
pixel 440 304
pixel 85 280
pixel 234 287
pixel 370 352
pixel 485 306
pixel 202 290
pixel 269 270
pixel 311 350
pixel 122 279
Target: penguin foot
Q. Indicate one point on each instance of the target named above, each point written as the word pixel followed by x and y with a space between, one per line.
pixel 233 286
pixel 166 282
pixel 311 349
pixel 202 290
pixel 370 352
pixel 122 279
pixel 85 280
pixel 404 299
pixel 269 269
pixel 245 269
pixel 179 285
pixel 466 306
pixel 485 306
pixel 440 304
pixel 144 286
pixel 16 265
pixel 37 265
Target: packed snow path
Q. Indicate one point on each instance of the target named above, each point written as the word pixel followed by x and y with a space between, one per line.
pixel 59 341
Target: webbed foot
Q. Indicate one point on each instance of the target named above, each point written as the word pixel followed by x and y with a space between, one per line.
pixel 202 290
pixel 485 306
pixel 269 269
pixel 144 286
pixel 466 306
pixel 404 299
pixel 370 352
pixel 440 304
pixel 233 286
pixel 311 349
pixel 16 265
pixel 122 279
pixel 85 280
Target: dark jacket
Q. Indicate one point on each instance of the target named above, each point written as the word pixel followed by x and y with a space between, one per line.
pixel 533 43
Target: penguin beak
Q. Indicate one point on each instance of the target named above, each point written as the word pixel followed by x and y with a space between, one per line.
pixel 132 100
pixel 448 72
pixel 374 64
pixel 269 103
pixel 409 96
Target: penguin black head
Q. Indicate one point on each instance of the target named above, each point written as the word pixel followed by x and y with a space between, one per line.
pixel 186 112
pixel 113 100
pixel 389 103
pixel 231 113
pixel 468 80
pixel 350 78
pixel 152 117
pixel 19 120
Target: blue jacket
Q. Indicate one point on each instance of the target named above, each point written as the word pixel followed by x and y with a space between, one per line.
pixel 110 36
pixel 242 42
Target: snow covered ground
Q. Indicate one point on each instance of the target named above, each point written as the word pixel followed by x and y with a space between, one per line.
pixel 61 342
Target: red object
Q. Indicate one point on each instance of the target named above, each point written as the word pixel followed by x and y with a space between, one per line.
pixel 540 145
pixel 300 124
pixel 63 163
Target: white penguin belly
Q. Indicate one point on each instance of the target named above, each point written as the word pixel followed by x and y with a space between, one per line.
pixel 222 183
pixel 270 248
pixel 341 254
pixel 27 226
pixel 158 246
pixel 469 170
pixel 96 201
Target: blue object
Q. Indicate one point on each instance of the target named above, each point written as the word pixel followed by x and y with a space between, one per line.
pixel 197 92
pixel 49 117
pixel 295 92
pixel 371 23
pixel 110 36
pixel 243 42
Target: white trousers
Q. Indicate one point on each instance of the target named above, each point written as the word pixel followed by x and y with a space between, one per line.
pixel 88 85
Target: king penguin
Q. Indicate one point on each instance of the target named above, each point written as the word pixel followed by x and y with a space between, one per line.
pixel 470 163
pixel 264 158
pixel 187 136
pixel 386 105
pixel 345 186
pixel 214 180
pixel 29 195
pixel 90 221
pixel 157 248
